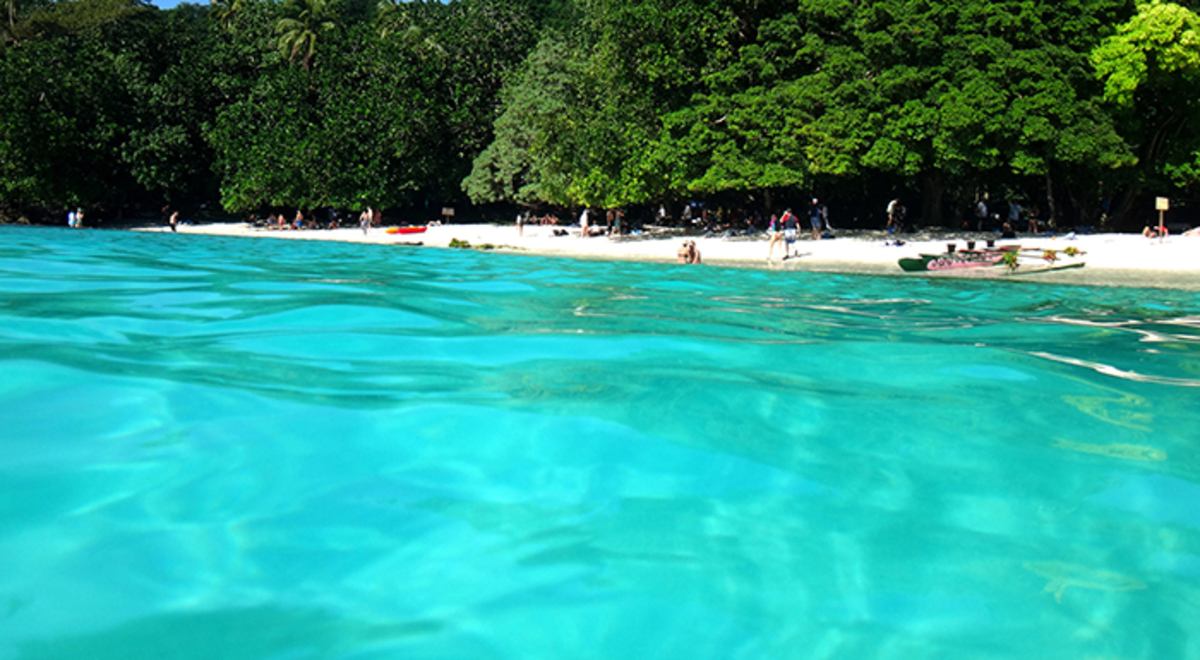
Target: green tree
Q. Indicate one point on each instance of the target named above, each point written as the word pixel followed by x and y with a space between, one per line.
pixel 301 27
pixel 521 164
pixel 1150 69
pixel 63 110
pixel 225 12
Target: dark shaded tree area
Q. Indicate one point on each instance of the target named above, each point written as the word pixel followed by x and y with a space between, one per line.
pixel 115 105
pixel 1082 107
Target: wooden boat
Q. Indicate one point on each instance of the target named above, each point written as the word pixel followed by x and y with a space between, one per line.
pixel 407 230
pixel 954 260
pixel 1008 256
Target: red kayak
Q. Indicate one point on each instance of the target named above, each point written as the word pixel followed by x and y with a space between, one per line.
pixel 406 230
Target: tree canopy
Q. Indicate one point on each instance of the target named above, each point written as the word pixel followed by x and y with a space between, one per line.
pixel 1081 105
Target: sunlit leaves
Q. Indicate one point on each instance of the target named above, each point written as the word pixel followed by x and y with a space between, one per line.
pixel 1162 39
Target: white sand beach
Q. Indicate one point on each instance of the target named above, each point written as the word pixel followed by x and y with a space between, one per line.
pixel 1111 259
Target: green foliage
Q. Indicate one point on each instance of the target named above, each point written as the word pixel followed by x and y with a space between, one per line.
pixel 521 163
pixel 1160 42
pixel 227 12
pixel 41 19
pixel 598 102
pixel 63 109
pixel 1150 68
pixel 300 28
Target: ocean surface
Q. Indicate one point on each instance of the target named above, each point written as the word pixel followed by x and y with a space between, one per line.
pixel 257 449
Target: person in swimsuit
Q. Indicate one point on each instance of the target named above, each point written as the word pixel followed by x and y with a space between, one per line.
pixel 776 235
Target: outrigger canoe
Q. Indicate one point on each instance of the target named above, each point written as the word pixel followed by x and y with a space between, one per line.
pixel 407 230
pixel 955 260
pixel 1008 256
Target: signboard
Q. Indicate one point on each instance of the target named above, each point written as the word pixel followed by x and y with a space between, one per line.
pixel 1162 204
pixel 446 210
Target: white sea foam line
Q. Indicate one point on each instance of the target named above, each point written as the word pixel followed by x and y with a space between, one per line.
pixel 1189 321
pixel 1109 370
pixel 1147 335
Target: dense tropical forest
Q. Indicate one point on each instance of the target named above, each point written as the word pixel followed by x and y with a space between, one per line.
pixel 1083 108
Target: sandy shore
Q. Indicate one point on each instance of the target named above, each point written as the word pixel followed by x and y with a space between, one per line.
pixel 1111 259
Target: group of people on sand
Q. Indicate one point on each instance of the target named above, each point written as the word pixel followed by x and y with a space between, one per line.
pixel 1007 223
pixel 614 220
pixel 787 228
pixel 279 222
pixel 369 217
pixel 528 218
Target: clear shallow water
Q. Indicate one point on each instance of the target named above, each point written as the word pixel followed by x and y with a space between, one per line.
pixel 235 448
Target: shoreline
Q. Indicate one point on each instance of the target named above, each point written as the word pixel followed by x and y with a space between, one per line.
pixel 1128 260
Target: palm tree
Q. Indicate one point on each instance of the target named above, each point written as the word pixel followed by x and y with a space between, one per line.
pixel 225 11
pixel 392 17
pixel 298 32
pixel 10 7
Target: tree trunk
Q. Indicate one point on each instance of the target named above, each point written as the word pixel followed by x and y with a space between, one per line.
pixel 1052 217
pixel 932 190
pixel 1122 216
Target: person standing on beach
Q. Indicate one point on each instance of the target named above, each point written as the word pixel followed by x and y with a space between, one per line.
pixel 364 220
pixel 1014 213
pixel 520 224
pixel 981 213
pixel 814 218
pixel 583 223
pixel 71 219
pixel 791 227
pixel 776 235
pixel 174 221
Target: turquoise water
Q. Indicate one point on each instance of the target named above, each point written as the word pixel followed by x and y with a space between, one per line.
pixel 232 448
